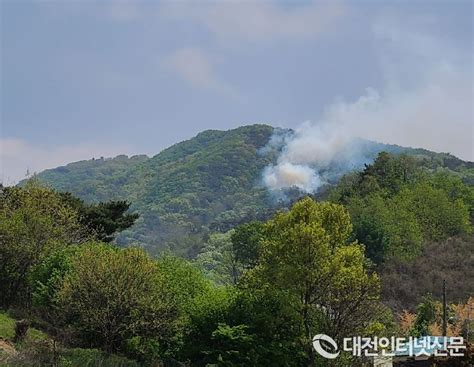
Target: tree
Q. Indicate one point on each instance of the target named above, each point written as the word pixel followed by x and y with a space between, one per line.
pixel 182 280
pixel 390 172
pixel 34 222
pixel 208 310
pixel 396 206
pixel 438 216
pixel 45 281
pixel 246 243
pixel 233 346
pixel 114 297
pixel 218 260
pixel 306 254
pixel 425 315
pixel 104 220
pixel 387 227
pixel 245 326
pixel 273 322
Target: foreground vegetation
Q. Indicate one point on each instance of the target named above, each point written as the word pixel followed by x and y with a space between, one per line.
pixel 254 295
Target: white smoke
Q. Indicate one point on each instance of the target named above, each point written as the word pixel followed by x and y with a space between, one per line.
pixel 306 147
pixel 426 101
pixel 288 174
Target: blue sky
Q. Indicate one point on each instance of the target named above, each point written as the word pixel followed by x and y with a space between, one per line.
pixel 83 79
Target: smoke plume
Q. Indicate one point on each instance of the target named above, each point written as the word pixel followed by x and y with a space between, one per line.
pixel 425 100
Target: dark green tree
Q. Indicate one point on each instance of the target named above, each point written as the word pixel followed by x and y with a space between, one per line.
pixel 104 220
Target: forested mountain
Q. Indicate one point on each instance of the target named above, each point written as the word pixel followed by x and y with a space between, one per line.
pixel 372 248
pixel 207 184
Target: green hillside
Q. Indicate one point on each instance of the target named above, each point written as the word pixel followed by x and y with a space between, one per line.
pixel 206 184
pixel 209 182
pixel 94 180
pixel 373 248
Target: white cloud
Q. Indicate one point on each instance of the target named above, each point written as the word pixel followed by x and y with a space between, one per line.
pixel 258 20
pixel 195 67
pixel 17 156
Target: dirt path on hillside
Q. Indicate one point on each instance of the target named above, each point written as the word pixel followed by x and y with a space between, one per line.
pixel 7 347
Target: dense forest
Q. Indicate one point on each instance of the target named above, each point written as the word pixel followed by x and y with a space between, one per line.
pixel 365 256
pixel 207 184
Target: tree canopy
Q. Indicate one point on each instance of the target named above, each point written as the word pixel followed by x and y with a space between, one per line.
pixel 257 292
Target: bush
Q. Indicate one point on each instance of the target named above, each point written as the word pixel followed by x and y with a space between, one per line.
pixel 112 295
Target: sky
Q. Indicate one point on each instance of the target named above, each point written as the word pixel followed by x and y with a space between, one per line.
pixel 84 78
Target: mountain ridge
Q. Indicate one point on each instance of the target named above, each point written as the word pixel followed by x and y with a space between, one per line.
pixel 208 183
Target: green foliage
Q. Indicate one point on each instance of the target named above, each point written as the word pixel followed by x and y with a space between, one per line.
pixel 307 255
pixel 34 222
pixel 95 180
pixel 438 216
pixel 7 336
pixel 205 184
pixel 396 206
pixel 103 220
pixel 256 294
pixel 112 295
pixel 210 183
pixel 45 281
pixel 78 357
pixel 217 259
pixel 273 322
pixel 40 355
pixel 308 278
pixel 7 326
pixel 209 309
pixel 389 172
pixel 181 284
pixel 120 300
pixel 142 348
pixel 181 279
pixel 246 243
pixel 245 327
pixel 47 277
pixel 425 315
pixel 387 227
pixel 454 187
pixel 232 345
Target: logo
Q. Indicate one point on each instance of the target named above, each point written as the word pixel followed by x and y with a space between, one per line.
pixel 357 346
pixel 318 341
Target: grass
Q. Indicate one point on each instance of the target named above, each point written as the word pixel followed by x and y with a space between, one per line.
pixel 74 357
pixel 35 335
pixel 7 329
pixel 78 357
pixel 7 326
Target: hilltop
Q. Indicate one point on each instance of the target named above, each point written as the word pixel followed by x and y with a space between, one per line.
pixel 209 183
